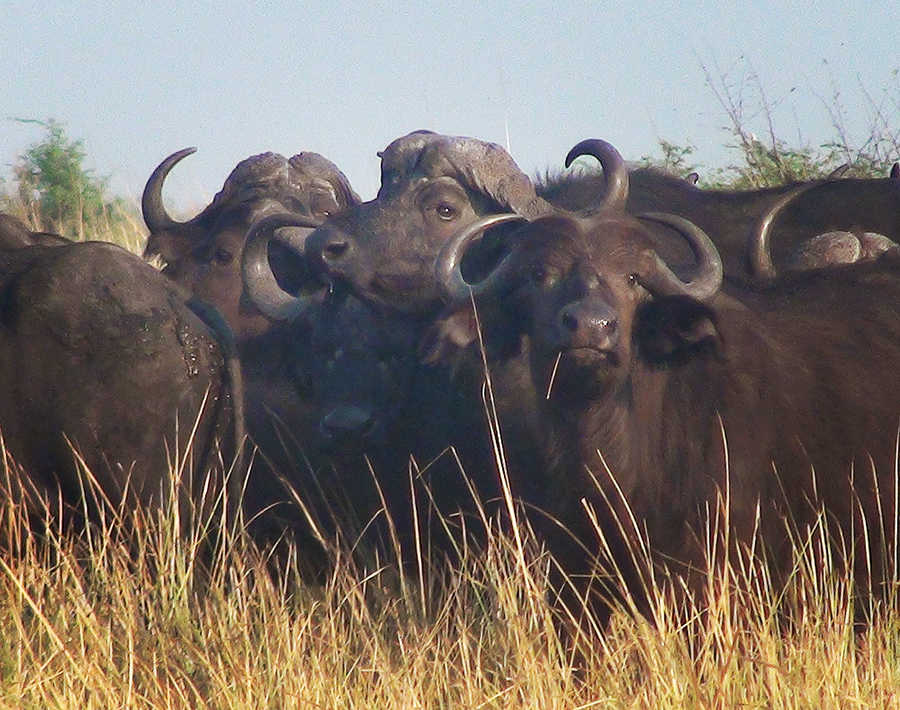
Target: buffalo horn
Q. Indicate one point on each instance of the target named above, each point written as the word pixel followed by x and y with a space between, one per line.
pixel 662 282
pixel 839 172
pixel 259 280
pixel 614 170
pixel 152 207
pixel 761 264
pixel 448 266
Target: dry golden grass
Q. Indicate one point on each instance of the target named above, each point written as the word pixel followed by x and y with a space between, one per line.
pixel 86 622
pixel 127 229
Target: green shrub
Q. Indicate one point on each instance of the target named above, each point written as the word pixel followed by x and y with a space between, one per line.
pixel 57 193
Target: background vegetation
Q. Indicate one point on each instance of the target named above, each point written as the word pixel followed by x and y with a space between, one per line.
pixel 54 191
pixel 763 158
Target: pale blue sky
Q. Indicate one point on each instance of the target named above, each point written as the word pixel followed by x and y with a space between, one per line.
pixel 139 80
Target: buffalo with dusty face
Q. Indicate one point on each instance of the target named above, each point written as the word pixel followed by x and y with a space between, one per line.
pixel 660 395
pixel 204 253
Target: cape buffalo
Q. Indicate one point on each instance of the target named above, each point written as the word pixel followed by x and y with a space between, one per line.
pixel 430 186
pixel 204 253
pixel 106 367
pixel 390 440
pixel 278 360
pixel 661 395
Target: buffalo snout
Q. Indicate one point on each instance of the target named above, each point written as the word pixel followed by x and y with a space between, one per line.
pixel 329 248
pixel 588 324
pixel 349 422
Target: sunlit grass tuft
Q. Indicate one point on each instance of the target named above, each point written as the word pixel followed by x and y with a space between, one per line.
pixel 166 620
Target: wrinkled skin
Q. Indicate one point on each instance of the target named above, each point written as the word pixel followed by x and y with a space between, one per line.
pixel 204 254
pixel 99 351
pixel 797 374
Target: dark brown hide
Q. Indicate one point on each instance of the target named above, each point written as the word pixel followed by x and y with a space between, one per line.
pixel 789 379
pixel 100 353
pixel 852 205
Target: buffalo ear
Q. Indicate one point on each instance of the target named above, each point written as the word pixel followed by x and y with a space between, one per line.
pixel 170 246
pixel 456 331
pixel 449 335
pixel 673 329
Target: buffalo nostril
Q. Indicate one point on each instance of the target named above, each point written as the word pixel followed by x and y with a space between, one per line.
pixel 569 322
pixel 346 421
pixel 335 250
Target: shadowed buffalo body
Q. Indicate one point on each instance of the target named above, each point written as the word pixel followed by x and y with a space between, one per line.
pixel 101 354
pixel 661 395
pixel 14 234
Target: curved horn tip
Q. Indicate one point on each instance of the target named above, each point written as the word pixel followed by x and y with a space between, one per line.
pixel 709 260
pixel 256 273
pixel 596 148
pixel 152 208
pixel 758 250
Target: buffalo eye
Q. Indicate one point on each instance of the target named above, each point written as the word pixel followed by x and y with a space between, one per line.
pixel 446 211
pixel 292 204
pixel 544 276
pixel 222 256
pixel 322 206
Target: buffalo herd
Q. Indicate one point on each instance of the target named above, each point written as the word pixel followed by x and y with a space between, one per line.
pixel 609 354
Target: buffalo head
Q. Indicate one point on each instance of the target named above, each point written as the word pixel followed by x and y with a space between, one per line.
pixel 574 285
pixel 431 185
pixel 204 253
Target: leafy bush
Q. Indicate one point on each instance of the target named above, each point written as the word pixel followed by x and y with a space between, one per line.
pixel 57 193
pixel 770 160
